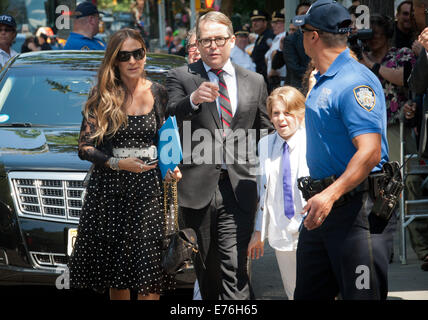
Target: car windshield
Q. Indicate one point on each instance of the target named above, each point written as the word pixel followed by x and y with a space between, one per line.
pixel 47 97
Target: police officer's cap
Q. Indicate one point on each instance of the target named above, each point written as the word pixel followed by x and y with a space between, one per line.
pixel 326 15
pixel 259 14
pixel 243 31
pixel 85 9
pixel 8 20
pixel 278 16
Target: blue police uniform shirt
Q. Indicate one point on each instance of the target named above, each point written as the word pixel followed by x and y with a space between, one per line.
pixel 346 101
pixel 77 41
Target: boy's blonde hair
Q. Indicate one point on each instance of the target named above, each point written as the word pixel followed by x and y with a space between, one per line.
pixel 292 98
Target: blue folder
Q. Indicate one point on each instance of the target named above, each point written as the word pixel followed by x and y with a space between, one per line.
pixel 170 152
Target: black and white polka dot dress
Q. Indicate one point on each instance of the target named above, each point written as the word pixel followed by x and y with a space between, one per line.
pixel 122 223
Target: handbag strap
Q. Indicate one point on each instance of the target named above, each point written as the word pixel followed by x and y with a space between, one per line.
pixel 170 191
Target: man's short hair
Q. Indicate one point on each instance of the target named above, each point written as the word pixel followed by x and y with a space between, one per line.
pixel 190 33
pixel 403 3
pixel 214 16
pixel 303 4
pixel 332 40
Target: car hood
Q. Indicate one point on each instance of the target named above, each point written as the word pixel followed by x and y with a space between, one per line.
pixel 47 149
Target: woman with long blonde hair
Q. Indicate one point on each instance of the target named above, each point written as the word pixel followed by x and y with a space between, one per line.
pixel 121 225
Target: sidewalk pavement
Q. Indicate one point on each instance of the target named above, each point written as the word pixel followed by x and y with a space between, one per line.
pixel 406 282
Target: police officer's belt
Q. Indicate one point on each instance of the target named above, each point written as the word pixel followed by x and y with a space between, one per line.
pixel 310 187
pixel 385 188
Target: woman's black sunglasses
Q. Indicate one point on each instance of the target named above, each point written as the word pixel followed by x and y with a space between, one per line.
pixel 123 56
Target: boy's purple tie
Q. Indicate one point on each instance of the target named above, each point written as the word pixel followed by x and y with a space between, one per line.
pixel 286 183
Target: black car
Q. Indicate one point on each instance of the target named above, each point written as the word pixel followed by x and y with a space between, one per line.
pixel 41 190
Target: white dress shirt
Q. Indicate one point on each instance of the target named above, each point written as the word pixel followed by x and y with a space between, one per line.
pixel 268 55
pixel 242 59
pixel 4 56
pixel 281 231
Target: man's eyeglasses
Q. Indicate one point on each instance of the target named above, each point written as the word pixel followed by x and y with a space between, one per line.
pixel 304 29
pixel 124 56
pixel 220 42
pixel 191 47
pixel 6 30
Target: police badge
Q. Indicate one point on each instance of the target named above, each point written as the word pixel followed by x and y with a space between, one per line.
pixel 365 97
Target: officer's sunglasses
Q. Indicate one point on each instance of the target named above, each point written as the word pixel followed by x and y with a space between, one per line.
pixel 8 30
pixel 124 56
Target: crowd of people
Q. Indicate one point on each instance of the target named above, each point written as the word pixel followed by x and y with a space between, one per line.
pixel 332 116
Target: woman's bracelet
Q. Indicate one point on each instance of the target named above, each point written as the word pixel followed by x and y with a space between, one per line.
pixel 113 163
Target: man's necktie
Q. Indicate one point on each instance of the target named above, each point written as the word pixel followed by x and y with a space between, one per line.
pixel 224 100
pixel 286 183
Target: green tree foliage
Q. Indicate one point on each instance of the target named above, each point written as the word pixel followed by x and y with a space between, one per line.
pixel 4 4
pixel 121 5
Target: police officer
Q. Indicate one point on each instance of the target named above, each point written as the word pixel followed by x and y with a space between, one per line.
pixel 276 77
pixel 346 138
pixel 7 36
pixel 259 24
pixel 238 54
pixel 86 26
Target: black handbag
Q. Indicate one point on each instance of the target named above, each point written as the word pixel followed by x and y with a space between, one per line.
pixel 179 246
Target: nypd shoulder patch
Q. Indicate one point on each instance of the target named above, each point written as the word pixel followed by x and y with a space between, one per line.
pixel 365 97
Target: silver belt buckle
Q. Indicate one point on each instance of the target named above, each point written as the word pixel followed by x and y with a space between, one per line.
pixel 153 152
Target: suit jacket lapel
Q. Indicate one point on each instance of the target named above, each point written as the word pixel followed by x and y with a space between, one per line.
pixel 201 75
pixel 243 89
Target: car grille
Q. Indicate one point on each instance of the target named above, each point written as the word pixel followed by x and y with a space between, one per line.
pixel 46 260
pixel 52 196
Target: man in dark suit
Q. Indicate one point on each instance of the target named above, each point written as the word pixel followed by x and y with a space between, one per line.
pixel 225 105
pixel 259 24
pixel 295 57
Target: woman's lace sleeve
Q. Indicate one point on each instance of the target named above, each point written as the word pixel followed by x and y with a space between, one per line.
pixel 87 145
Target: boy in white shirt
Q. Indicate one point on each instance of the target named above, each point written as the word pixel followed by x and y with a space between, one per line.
pixel 282 161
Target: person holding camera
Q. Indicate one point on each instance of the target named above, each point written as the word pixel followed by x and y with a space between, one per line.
pixel 345 119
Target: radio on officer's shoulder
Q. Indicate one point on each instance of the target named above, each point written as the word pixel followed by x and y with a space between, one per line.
pixel 386 187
